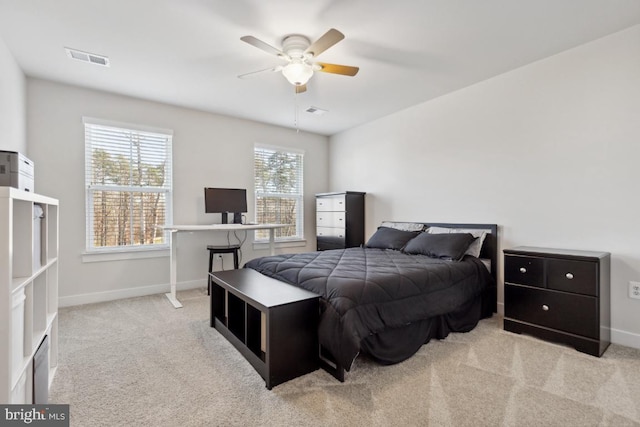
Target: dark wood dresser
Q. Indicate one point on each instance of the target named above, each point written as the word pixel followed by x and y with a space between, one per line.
pixel 339 220
pixel 559 295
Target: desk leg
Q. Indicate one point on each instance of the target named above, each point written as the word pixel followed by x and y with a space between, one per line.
pixel 272 246
pixel 173 275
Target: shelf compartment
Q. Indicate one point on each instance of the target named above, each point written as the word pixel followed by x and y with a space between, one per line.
pixel 22 389
pixel 218 304
pixel 254 331
pixel 17 337
pixel 22 238
pixel 39 309
pixel 39 230
pixel 28 319
pixel 236 316
pixel 53 347
pixel 52 232
pixel 52 289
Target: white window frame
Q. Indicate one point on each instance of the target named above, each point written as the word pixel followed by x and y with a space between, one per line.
pixel 299 197
pixel 89 189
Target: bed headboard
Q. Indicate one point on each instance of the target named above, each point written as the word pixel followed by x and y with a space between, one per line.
pixel 489 247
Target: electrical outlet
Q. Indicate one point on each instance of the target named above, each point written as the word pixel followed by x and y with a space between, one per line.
pixel 634 290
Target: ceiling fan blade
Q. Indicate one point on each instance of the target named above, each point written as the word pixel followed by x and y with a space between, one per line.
pixel 327 40
pixel 263 46
pixel 301 88
pixel 273 69
pixel 345 70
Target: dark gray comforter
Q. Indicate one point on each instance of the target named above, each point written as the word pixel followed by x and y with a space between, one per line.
pixel 365 291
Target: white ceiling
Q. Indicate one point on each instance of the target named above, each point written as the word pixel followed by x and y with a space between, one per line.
pixel 188 52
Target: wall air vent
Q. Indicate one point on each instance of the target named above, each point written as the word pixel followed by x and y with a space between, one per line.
pixel 316 111
pixel 87 57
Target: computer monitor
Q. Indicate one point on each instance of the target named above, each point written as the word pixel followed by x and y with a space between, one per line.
pixel 225 201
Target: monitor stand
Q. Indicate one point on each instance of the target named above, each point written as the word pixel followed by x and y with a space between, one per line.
pixel 237 217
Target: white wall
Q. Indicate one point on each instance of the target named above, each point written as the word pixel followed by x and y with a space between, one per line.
pixel 12 103
pixel 208 150
pixel 550 152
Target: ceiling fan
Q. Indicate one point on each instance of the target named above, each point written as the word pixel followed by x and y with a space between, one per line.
pixel 300 53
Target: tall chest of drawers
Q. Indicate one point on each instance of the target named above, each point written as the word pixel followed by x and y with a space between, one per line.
pixel 559 295
pixel 339 220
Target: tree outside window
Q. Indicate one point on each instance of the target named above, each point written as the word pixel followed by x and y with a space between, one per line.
pixel 279 191
pixel 128 186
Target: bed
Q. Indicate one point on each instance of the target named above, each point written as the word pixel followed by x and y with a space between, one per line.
pixel 410 283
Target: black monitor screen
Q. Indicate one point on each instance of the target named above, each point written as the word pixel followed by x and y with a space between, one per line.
pixel 221 200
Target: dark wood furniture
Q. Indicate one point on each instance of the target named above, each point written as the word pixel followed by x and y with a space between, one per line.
pixel 229 249
pixel 559 295
pixel 274 325
pixel 339 220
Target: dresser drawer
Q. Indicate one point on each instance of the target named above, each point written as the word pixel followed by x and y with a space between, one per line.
pixel 330 219
pixel 330 238
pixel 524 270
pixel 576 314
pixel 331 203
pixel 573 276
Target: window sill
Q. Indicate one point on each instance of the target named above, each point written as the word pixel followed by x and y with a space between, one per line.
pixel 119 255
pixel 264 244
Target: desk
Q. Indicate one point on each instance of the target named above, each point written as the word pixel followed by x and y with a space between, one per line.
pixel 174 230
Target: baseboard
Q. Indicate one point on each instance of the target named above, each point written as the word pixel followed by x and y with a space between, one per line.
pixel 627 339
pixel 501 308
pixel 126 293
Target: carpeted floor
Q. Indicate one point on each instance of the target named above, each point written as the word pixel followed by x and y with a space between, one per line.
pixel 140 362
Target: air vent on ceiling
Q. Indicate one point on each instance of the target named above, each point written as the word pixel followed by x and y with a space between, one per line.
pixel 317 111
pixel 87 57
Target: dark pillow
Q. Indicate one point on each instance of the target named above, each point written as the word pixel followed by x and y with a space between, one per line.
pixel 390 238
pixel 444 246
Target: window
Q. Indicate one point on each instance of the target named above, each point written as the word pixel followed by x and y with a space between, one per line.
pixel 279 191
pixel 128 186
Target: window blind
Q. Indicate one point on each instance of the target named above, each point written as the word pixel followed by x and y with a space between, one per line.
pixel 128 186
pixel 279 190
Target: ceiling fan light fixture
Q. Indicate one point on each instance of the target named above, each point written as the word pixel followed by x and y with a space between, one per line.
pixel 300 55
pixel 297 72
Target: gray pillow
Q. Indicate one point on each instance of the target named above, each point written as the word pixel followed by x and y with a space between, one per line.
pixel 390 238
pixel 474 248
pixel 451 246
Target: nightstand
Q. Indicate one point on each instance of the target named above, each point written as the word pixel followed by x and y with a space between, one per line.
pixel 559 295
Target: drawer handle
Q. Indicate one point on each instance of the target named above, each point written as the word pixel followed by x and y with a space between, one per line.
pixel 545 307
pixel 569 276
pixel 523 270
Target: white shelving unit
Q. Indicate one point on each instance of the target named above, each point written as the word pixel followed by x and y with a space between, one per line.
pixel 28 289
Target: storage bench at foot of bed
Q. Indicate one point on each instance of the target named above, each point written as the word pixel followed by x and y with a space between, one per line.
pixel 272 324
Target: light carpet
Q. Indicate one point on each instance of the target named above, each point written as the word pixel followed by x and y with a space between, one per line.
pixel 140 362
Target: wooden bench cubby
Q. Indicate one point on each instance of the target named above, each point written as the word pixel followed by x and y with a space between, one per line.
pixel 273 324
